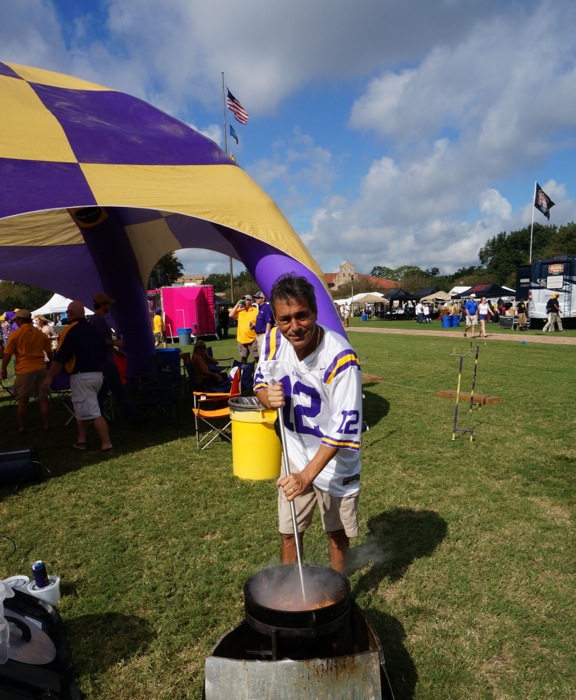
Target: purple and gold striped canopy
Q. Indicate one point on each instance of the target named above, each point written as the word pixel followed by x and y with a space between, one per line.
pixel 96 186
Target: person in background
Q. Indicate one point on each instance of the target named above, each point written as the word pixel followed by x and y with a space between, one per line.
pixel 264 320
pixel 246 314
pixel 419 312
pixel 112 379
pixel 427 317
pixel 346 315
pixel 7 325
pixel 45 326
pixel 159 330
pixel 484 311
pixel 313 376
pixel 522 318
pixel 553 311
pixel 30 347
pixel 82 352
pixel 205 375
pixel 471 312
pixel 224 320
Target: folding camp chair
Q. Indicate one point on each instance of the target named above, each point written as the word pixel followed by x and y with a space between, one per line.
pixel 7 386
pixel 212 407
pixel 247 375
pixel 60 395
pixel 154 398
pixel 221 364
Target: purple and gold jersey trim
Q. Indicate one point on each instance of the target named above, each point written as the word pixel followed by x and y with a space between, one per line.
pixel 341 362
pixel 272 342
pixel 341 444
pixel 259 386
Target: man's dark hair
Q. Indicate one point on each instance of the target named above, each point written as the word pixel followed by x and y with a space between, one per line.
pixel 291 286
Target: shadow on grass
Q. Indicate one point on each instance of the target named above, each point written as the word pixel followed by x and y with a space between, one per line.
pixel 399 665
pixel 101 641
pixel 395 539
pixel 55 449
pixel 374 407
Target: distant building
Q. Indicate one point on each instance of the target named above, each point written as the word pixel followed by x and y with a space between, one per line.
pixel 347 275
pixel 191 280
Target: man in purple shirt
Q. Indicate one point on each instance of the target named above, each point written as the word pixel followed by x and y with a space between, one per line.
pixel 264 320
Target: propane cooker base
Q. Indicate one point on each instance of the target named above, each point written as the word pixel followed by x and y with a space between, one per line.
pixel 246 664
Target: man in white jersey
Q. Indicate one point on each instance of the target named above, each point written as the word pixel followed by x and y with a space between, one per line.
pixel 319 389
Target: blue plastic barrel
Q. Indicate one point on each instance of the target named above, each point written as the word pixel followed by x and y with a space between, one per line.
pixel 184 336
pixel 446 322
pixel 455 320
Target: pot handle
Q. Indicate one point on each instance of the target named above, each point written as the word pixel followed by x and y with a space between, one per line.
pixel 22 626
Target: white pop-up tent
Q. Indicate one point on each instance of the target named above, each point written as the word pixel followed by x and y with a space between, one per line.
pixel 56 305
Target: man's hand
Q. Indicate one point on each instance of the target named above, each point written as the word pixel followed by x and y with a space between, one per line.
pixel 276 395
pixel 294 485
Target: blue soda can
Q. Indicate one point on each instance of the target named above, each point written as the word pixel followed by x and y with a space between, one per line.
pixel 40 574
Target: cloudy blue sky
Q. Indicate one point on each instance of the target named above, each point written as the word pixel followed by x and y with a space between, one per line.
pixel 389 132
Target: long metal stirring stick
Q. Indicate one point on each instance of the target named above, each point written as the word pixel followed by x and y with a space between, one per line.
pixel 286 466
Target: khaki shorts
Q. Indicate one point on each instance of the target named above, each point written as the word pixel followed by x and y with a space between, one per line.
pixel 471 320
pixel 84 388
pixel 260 342
pixel 247 349
pixel 27 385
pixel 336 513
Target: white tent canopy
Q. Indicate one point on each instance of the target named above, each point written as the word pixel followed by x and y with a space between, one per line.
pixel 437 296
pixel 57 305
pixel 362 298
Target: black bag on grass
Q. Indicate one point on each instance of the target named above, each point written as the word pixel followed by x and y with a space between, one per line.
pixel 21 466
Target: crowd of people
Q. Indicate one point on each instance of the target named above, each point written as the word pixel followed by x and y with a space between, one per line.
pixel 82 349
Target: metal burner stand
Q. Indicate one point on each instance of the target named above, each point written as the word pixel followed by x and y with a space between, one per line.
pixel 239 667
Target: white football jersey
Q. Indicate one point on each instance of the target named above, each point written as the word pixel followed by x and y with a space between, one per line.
pixel 323 395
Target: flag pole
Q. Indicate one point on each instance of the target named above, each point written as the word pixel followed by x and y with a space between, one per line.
pixel 532 226
pixel 230 261
pixel 224 114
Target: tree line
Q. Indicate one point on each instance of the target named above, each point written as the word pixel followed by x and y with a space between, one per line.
pixel 499 257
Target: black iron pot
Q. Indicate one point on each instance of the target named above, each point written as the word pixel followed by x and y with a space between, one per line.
pixel 274 606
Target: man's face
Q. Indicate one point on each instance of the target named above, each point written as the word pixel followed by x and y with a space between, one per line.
pixel 259 300
pixel 297 323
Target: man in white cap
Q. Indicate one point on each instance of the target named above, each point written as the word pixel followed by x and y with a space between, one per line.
pixel 471 310
pixel 264 320
pixel 28 344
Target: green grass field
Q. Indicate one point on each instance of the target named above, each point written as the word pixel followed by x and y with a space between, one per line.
pixel 465 564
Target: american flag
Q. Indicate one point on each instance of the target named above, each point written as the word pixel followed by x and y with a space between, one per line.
pixel 240 114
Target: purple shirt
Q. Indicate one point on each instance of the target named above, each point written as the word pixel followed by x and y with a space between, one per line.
pixel 264 318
